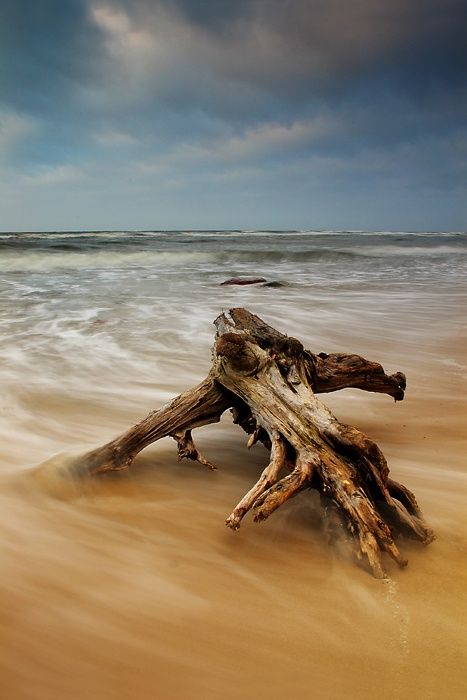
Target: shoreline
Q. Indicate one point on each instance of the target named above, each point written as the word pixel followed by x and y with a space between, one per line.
pixel 131 585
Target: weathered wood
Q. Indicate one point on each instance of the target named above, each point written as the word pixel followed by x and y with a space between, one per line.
pixel 196 407
pixel 324 372
pixel 270 381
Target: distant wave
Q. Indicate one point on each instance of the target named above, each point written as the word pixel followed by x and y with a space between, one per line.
pixel 82 236
pixel 61 260
pixel 65 258
pixel 244 251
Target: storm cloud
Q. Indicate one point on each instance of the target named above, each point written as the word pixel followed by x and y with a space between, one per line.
pixel 227 114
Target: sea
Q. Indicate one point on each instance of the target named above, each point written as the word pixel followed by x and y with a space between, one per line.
pixel 129 585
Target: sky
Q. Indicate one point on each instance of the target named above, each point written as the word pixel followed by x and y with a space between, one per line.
pixel 220 114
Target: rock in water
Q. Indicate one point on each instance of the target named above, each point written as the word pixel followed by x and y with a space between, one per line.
pixel 242 281
pixel 275 284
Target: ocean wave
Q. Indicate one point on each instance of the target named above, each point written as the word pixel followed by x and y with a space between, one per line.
pixel 35 237
pixel 228 252
pixel 65 257
pixel 409 250
pixel 47 261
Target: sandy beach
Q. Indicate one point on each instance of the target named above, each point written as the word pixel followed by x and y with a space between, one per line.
pixel 130 586
pixel 152 151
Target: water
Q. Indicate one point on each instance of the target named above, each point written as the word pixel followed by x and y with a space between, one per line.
pixel 131 586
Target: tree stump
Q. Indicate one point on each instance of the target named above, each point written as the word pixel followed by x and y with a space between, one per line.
pixel 270 381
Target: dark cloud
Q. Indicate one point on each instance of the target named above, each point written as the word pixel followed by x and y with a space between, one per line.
pixel 287 48
pixel 316 42
pixel 212 15
pixel 203 86
pixel 47 47
pixel 239 60
pixel 252 60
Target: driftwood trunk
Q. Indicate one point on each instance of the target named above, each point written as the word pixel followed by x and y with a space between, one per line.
pixel 270 382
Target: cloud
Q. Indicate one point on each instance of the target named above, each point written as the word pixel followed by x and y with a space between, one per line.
pixel 58 175
pixel 148 62
pixel 287 47
pixel 143 94
pixel 134 48
pixel 14 128
pixel 114 139
pixel 267 139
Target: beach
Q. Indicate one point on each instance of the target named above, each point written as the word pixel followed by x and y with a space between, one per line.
pixel 129 585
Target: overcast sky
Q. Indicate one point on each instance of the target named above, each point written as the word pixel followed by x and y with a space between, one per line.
pixel 153 114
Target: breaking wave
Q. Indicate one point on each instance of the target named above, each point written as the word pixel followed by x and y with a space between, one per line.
pixel 46 252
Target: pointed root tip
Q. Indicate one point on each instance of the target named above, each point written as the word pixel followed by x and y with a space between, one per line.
pixel 429 536
pixel 233 523
pixel 400 379
pixel 380 574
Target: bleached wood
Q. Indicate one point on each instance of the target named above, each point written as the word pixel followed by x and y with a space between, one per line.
pixel 270 381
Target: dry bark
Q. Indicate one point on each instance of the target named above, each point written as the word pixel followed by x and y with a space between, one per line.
pixel 269 381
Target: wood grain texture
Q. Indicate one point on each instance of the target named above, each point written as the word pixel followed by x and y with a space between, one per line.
pixel 270 381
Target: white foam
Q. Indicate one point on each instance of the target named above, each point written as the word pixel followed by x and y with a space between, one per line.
pixel 92 260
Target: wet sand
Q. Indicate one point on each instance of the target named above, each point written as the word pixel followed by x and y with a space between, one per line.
pixel 130 586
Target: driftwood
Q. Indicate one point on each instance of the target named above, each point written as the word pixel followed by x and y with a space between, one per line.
pixel 269 381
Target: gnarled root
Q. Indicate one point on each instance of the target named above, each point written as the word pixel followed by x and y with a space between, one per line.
pixel 286 488
pixel 269 476
pixel 188 450
pixel 275 378
pixel 270 381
